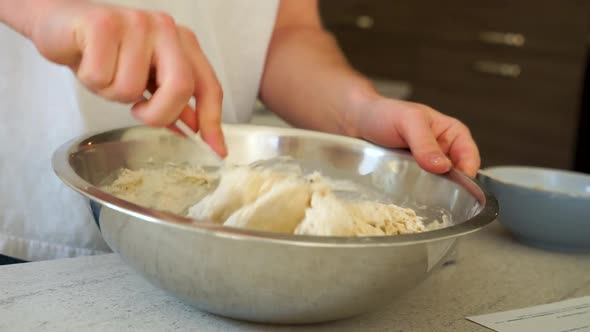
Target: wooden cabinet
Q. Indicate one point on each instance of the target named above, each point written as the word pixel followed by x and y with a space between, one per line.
pixel 378 37
pixel 546 26
pixel 512 70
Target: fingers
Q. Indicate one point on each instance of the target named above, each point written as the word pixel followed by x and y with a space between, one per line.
pixel 116 54
pixel 465 157
pixel 462 149
pixel 189 117
pixel 206 89
pixel 456 141
pixel 178 130
pixel 113 50
pixel 208 94
pixel 99 42
pixel 416 130
pixel 134 60
pixel 173 77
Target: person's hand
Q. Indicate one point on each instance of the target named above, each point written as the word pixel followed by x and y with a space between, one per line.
pixel 119 53
pixel 437 141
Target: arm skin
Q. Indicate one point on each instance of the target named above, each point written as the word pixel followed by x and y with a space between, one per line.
pixel 308 82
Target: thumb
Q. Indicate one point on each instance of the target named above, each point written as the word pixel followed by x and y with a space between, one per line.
pixel 419 136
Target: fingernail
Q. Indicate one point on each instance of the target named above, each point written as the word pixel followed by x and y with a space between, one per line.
pixel 222 149
pixel 440 160
pixel 218 144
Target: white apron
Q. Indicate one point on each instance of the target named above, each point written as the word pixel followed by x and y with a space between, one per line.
pixel 42 106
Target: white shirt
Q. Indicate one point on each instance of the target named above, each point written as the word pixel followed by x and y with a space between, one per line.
pixel 42 106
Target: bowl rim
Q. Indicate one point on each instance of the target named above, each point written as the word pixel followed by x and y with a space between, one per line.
pixel 487 173
pixel 62 168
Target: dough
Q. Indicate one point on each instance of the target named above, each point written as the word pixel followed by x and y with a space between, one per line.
pixel 280 209
pixel 283 200
pixel 270 196
pixel 239 186
pixel 330 216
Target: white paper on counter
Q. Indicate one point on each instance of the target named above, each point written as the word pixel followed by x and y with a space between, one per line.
pixel 565 316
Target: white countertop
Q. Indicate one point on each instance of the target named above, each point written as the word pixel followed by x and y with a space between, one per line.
pixel 491 272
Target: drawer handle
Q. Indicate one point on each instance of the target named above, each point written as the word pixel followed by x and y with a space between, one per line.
pixel 364 22
pixel 502 38
pixel 509 70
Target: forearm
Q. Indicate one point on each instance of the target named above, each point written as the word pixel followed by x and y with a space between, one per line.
pixel 308 82
pixel 20 15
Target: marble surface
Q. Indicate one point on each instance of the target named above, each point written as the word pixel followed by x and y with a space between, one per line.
pixel 490 272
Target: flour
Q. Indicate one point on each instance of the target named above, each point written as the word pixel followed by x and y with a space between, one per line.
pixel 172 188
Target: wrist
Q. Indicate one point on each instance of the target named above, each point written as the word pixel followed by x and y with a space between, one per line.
pixel 21 15
pixel 358 97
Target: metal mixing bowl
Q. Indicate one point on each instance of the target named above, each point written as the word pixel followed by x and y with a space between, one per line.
pixel 271 277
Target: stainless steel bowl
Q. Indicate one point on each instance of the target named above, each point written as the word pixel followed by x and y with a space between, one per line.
pixel 271 277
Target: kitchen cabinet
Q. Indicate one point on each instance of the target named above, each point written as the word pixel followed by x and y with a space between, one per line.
pixel 377 36
pixel 513 71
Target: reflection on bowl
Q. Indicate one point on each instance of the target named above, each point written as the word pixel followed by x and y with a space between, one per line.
pixel 543 207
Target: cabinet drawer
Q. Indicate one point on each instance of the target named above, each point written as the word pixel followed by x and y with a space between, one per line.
pixel 374 15
pixel 378 54
pixel 505 134
pixel 549 26
pixel 378 37
pixel 548 81
pixel 480 113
